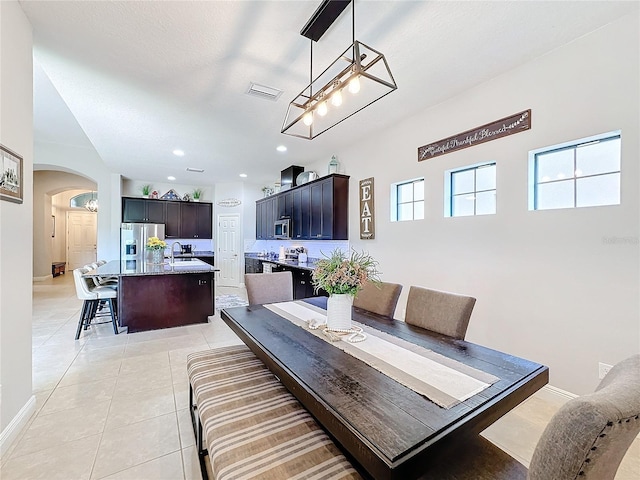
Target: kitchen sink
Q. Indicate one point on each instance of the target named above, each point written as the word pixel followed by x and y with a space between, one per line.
pixel 187 262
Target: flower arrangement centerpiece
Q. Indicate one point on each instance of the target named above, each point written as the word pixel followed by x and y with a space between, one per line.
pixel 156 247
pixel 342 276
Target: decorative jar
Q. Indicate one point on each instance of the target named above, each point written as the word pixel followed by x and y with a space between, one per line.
pixel 339 311
pixel 157 256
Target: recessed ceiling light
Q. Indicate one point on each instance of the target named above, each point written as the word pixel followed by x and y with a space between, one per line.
pixel 243 175
pixel 178 153
pixel 281 148
pixel 171 177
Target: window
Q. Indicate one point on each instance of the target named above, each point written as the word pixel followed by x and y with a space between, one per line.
pixel 471 191
pixel 407 200
pixel 583 173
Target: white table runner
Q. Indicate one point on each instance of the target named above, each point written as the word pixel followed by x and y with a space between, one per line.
pixel 444 381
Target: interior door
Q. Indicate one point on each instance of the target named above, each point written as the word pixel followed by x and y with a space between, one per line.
pixel 228 252
pixel 81 239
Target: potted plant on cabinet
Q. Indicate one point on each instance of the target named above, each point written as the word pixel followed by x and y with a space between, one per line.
pixel 197 194
pixel 146 190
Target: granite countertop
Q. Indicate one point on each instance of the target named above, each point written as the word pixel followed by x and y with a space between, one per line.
pixel 310 265
pixel 116 268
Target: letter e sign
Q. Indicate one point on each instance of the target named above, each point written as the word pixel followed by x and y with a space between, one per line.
pixel 367 210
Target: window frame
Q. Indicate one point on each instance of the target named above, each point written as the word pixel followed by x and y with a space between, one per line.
pixel 448 189
pixel 571 145
pixel 394 199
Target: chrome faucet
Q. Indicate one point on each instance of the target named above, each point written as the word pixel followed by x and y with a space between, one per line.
pixel 173 245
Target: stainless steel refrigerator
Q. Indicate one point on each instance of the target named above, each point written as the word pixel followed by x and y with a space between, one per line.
pixel 133 238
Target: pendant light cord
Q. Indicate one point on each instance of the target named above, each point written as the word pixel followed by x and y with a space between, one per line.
pixel 353 21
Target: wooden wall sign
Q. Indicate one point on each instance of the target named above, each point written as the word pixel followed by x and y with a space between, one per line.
pixel 491 131
pixel 367 210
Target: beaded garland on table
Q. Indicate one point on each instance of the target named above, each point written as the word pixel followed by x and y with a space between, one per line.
pixel 355 334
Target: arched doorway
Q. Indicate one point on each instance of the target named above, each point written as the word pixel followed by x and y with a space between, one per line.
pixel 55 222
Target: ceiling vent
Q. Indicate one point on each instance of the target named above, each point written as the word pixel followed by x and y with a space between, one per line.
pixel 198 170
pixel 262 91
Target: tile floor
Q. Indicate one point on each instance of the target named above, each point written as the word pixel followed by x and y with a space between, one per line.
pixel 115 407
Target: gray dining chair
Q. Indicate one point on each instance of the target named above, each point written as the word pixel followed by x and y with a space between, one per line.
pixel 269 287
pixel 378 297
pixel 442 312
pixel 586 439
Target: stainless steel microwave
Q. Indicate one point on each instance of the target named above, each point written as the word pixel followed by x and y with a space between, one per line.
pixel 282 229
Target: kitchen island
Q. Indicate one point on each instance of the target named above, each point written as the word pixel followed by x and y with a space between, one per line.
pixel 152 296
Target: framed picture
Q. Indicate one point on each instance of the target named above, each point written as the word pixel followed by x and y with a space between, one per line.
pixel 10 175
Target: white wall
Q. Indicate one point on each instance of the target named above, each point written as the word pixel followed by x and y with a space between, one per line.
pixel 16 132
pixel 87 163
pixel 133 188
pixel 550 287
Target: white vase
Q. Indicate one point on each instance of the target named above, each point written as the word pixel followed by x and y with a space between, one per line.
pixel 339 311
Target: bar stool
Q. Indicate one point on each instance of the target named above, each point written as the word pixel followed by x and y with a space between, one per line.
pixel 92 296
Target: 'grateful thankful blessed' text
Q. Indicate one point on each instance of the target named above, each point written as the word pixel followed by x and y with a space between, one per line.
pixel 491 131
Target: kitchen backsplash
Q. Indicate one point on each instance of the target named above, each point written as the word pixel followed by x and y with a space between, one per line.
pixel 315 248
pixel 198 245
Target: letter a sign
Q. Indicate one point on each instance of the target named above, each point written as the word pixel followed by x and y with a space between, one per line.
pixel 367 210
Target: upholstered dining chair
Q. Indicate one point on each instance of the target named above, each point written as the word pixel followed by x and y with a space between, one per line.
pixel 441 312
pixel 586 439
pixel 269 287
pixel 380 298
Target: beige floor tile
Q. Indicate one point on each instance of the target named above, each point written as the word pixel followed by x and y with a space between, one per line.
pixel 132 445
pixel 70 461
pixel 132 408
pixel 79 372
pixel 185 427
pixel 133 383
pixel 181 393
pixel 168 467
pixel 191 464
pixel 146 348
pixel 58 428
pixel 144 363
pixel 74 396
pixel 92 353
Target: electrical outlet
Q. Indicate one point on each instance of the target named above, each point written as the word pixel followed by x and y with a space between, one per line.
pixel 603 369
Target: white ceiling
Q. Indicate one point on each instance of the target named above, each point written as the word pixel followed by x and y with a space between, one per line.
pixel 137 79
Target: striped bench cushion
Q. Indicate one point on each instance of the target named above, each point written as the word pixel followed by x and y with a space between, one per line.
pixel 254 428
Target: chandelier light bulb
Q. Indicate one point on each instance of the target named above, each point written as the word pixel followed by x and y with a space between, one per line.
pixel 354 85
pixel 308 119
pixel 322 108
pixel 336 98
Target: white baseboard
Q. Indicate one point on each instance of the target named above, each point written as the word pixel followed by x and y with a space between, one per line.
pixel 549 392
pixel 42 279
pixel 16 425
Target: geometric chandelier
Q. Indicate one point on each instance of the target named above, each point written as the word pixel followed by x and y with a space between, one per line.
pixel 357 78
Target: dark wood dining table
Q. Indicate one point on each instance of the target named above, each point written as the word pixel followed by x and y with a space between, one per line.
pixel 391 431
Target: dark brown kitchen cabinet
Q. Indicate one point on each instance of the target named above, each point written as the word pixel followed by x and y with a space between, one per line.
pixel 252 265
pixel 266 215
pixel 140 210
pixel 285 205
pixel 195 220
pixel 181 219
pixel 319 210
pixel 172 220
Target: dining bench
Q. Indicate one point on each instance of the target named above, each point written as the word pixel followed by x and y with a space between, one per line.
pixel 249 425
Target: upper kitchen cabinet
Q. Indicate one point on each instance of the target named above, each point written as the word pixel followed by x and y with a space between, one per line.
pixel 172 220
pixel 196 220
pixel 266 215
pixel 181 219
pixel 319 210
pixel 139 210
